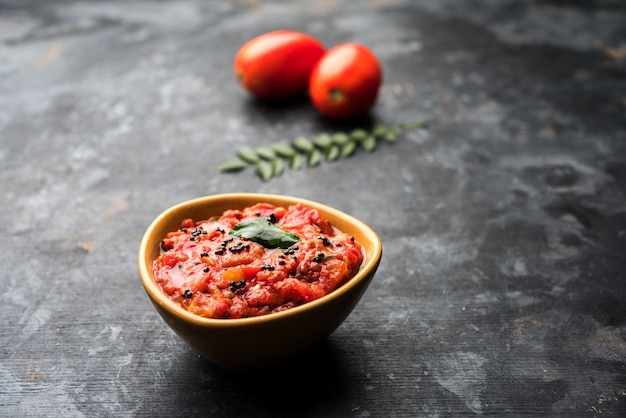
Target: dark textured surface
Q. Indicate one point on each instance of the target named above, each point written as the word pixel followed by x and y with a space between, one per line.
pixel 503 282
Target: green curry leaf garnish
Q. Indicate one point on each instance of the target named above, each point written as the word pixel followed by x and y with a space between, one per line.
pixel 271 161
pixel 265 233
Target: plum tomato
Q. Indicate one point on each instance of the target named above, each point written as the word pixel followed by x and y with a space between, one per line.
pixel 344 83
pixel 277 65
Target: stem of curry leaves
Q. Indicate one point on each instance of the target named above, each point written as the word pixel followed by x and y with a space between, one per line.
pixel 271 161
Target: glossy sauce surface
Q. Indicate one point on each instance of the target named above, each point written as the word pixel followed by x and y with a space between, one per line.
pixel 214 274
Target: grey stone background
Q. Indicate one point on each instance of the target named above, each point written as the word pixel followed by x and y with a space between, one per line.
pixel 502 286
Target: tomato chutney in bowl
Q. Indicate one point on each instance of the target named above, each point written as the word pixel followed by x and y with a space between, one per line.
pixel 250 280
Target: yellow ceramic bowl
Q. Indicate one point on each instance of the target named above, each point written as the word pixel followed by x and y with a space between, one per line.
pixel 257 342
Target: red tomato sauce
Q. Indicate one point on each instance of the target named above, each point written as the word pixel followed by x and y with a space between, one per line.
pixel 213 274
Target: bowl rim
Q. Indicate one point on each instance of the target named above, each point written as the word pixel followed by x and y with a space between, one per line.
pixel 159 297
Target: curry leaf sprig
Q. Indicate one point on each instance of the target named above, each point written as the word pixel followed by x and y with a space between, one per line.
pixel 271 160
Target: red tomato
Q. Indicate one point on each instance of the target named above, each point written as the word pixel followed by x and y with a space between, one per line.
pixel 344 83
pixel 277 65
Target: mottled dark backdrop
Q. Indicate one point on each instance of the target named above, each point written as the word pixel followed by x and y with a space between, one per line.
pixel 503 282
